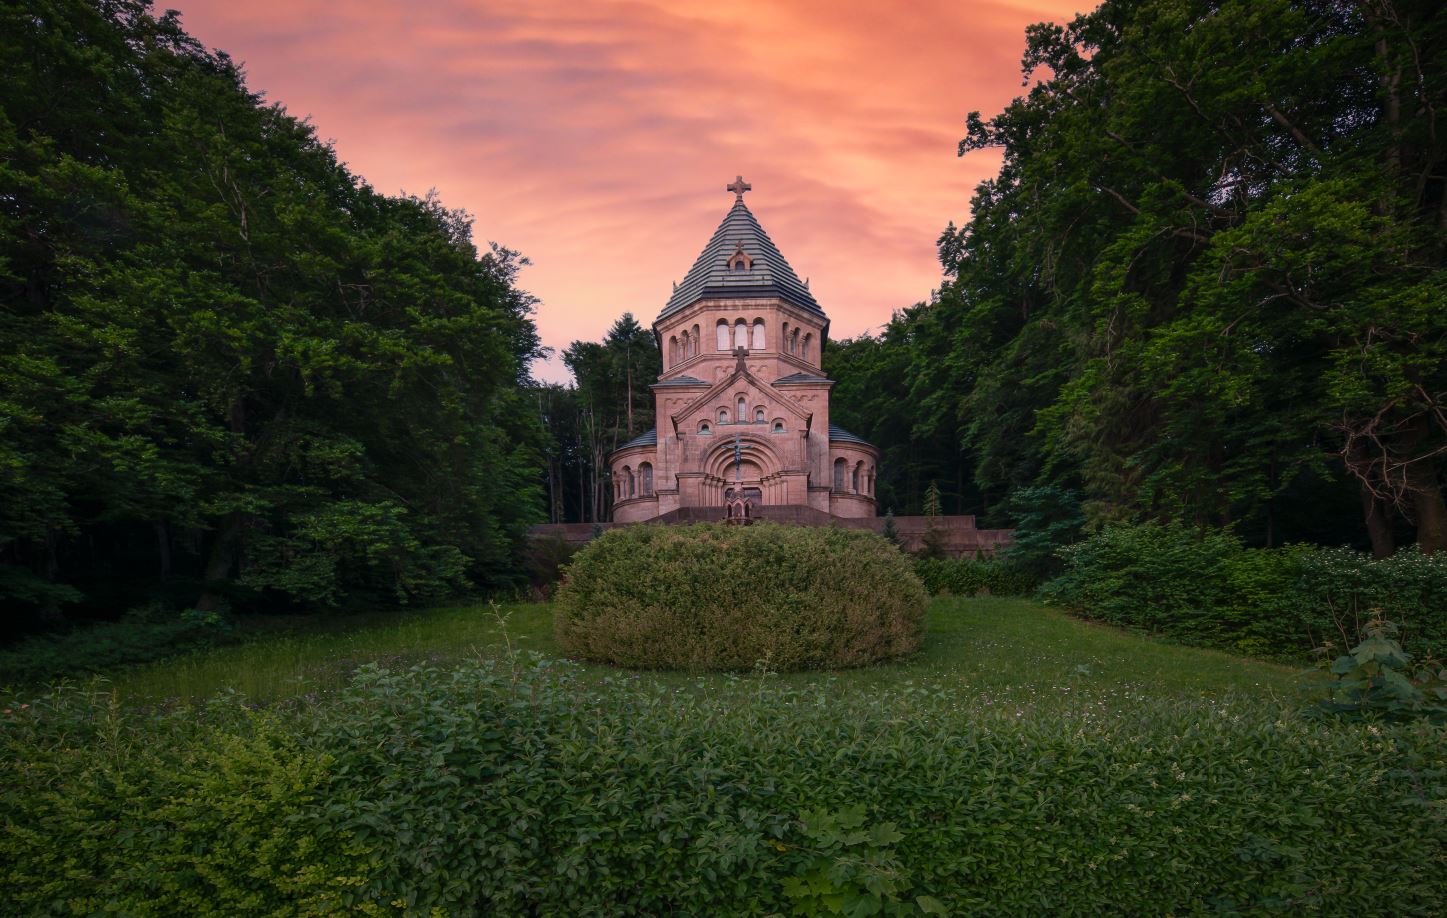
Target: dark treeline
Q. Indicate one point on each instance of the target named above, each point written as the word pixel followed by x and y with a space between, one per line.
pixel 230 371
pixel 609 404
pixel 1206 285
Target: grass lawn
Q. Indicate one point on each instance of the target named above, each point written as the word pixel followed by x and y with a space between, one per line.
pixel 977 647
pixel 1022 763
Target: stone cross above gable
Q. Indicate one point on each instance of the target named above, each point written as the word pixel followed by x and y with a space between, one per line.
pixel 738 186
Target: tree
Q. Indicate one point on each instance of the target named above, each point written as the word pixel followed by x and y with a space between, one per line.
pixel 615 402
pixel 229 369
pixel 1210 269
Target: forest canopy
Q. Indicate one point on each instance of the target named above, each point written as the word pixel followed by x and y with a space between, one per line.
pixel 1206 285
pixel 230 371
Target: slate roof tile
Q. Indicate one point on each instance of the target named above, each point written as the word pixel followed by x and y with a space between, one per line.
pixel 768 275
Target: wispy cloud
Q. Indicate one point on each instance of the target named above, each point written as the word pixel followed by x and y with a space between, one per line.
pixel 596 137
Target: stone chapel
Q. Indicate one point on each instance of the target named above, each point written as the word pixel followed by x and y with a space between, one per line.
pixel 742 405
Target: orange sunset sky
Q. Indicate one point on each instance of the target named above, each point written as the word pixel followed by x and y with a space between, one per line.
pixel 597 137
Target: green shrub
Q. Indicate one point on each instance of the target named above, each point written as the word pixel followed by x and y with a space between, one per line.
pixel 713 596
pixel 492 790
pixel 1344 589
pixel 1208 589
pixel 973 577
pixel 106 646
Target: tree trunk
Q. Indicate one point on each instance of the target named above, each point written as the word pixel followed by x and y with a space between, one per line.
pixel 1427 506
pixel 219 563
pixel 49 615
pixel 1379 523
pixel 163 549
pixel 630 399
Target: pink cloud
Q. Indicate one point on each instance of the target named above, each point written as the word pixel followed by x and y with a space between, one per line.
pixel 597 137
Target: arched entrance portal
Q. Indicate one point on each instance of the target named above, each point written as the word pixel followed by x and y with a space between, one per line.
pixel 740 467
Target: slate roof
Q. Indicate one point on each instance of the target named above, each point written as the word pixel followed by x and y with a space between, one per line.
pixel 802 378
pixel 768 275
pixel 650 438
pixel 839 434
pixel 680 381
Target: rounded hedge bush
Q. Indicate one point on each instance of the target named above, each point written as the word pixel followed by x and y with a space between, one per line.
pixel 712 596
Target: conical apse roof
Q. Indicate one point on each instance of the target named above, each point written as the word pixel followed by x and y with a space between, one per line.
pixel 718 272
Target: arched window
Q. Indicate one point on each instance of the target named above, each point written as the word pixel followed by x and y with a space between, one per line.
pixel 759 416
pixel 778 425
pixel 794 342
pixel 628 476
pixel 697 337
pixel 672 351
pixel 855 479
pixel 645 474
pixel 741 334
pixel 723 334
pixel 723 415
pixel 804 352
pixel 743 411
pixel 839 474
pixel 758 342
pixel 784 337
pixel 704 431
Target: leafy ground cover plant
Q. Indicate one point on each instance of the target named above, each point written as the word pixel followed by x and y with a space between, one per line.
pixel 540 788
pixel 1377 678
pixel 712 596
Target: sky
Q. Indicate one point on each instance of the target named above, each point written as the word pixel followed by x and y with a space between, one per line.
pixel 596 138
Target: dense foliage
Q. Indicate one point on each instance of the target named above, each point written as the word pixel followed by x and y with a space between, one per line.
pixel 1213 591
pixel 713 596
pixel 141 636
pixel 973 577
pixel 609 404
pixel 229 369
pixel 1206 284
pixel 500 791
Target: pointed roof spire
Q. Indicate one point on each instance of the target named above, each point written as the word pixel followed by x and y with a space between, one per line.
pixel 740 260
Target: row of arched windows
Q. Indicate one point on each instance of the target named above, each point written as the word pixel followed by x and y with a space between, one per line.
pixel 861 480
pixel 739 333
pixel 682 347
pixel 705 429
pixel 731 337
pixel 794 344
pixel 741 413
pixel 627 484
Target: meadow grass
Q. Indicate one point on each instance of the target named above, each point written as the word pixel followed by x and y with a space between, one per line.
pixel 974 646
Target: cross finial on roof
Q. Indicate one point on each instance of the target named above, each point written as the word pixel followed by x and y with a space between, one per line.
pixel 738 186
